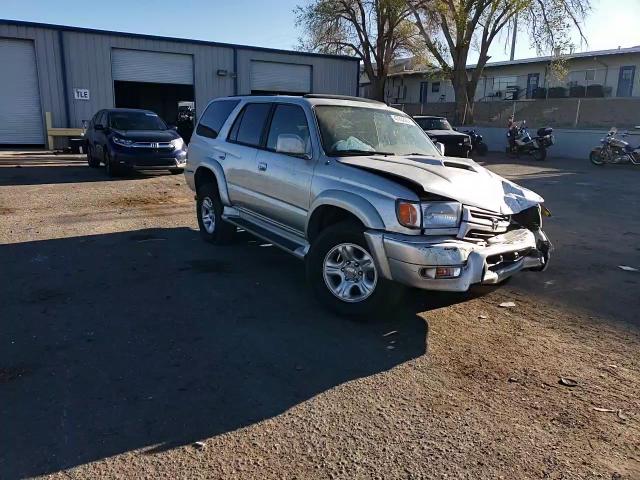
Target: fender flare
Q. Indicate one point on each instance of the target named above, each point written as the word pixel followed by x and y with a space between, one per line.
pixel 352 203
pixel 214 167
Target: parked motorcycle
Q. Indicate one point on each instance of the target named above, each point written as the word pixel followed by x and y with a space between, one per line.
pixel 521 142
pixel 477 144
pixel 615 150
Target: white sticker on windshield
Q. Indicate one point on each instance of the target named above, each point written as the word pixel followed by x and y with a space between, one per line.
pixel 401 119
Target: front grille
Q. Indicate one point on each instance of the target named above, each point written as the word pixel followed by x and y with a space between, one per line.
pixel 479 225
pixel 160 146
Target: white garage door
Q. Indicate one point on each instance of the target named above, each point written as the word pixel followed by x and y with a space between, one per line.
pixel 153 67
pixel 20 113
pixel 280 77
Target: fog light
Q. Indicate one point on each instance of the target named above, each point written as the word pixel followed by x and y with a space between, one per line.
pixel 440 272
pixel 447 272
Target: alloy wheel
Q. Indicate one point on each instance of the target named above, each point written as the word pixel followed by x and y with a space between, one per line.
pixel 349 272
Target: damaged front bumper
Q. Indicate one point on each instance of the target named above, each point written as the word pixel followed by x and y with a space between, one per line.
pixel 413 260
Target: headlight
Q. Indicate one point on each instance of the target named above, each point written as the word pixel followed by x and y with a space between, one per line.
pixel 441 214
pixel 408 213
pixel 467 140
pixel 178 143
pixel 123 142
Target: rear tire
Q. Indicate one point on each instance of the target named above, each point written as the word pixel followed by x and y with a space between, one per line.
pixel 343 275
pixel 176 171
pixel 482 149
pixel 539 154
pixel 91 160
pixel 209 209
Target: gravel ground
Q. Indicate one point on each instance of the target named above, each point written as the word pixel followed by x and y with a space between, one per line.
pixel 129 348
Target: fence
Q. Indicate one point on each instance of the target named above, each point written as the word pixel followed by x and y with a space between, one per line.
pixel 581 113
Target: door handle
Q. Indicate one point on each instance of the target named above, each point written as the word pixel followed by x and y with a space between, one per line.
pixel 262 166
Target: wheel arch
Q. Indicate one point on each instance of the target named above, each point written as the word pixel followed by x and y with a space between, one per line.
pixel 337 206
pixel 212 172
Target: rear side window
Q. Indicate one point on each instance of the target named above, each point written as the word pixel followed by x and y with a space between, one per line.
pixel 214 117
pixel 289 121
pixel 249 125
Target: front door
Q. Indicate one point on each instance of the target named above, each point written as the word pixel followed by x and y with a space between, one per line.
pixel 286 165
pixel 532 83
pixel 625 81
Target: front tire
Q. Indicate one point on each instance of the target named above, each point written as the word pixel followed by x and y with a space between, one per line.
pixel 595 157
pixel 209 211
pixel 343 274
pixel 176 171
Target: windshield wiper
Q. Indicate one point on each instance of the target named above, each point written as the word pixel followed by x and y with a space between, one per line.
pixel 354 152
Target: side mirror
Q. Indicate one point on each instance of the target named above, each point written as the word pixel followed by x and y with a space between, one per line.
pixel 98 126
pixel 440 146
pixel 291 144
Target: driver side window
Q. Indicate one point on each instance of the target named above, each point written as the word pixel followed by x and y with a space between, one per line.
pixel 289 131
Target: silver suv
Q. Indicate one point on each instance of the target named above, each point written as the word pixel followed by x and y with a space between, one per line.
pixel 358 191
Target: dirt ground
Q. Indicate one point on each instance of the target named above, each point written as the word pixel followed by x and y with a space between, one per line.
pixel 129 348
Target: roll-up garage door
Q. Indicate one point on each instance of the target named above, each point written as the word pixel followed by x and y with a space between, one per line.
pixel 152 67
pixel 20 113
pixel 280 77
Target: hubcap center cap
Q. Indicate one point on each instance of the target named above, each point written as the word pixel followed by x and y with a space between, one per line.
pixel 351 273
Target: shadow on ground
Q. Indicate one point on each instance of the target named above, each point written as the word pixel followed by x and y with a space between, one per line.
pixel 116 342
pixel 51 169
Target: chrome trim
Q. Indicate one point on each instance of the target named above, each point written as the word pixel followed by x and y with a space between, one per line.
pixel 479 225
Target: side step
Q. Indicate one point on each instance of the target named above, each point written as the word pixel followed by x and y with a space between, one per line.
pixel 290 245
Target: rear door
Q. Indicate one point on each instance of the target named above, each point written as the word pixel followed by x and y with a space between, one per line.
pixel 240 152
pixel 284 178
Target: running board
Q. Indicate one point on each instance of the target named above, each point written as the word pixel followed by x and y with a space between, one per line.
pixel 297 248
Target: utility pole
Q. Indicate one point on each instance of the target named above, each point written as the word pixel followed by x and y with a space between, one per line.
pixel 513 38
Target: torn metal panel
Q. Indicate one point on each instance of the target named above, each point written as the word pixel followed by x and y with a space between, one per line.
pixel 459 179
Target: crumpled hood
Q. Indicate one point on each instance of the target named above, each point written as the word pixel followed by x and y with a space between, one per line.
pixel 460 179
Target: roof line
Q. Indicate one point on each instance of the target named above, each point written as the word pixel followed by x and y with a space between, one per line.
pixel 68 28
pixel 543 59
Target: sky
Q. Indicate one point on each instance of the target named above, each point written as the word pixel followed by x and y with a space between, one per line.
pixel 271 23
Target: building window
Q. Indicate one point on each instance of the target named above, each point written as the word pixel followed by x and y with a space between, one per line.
pixel 435 87
pixel 590 75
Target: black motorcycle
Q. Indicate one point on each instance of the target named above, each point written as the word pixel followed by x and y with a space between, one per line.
pixel 477 144
pixel 521 142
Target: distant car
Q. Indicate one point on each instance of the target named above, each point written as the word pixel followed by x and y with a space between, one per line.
pixel 128 139
pixel 456 144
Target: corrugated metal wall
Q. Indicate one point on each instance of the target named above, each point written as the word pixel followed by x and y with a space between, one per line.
pixel 87 56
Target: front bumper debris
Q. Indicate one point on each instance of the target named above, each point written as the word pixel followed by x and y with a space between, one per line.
pixel 411 260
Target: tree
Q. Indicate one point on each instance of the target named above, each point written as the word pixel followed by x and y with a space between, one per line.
pixel 450 30
pixel 378 31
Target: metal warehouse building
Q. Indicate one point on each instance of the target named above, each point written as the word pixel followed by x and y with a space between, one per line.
pixel 74 72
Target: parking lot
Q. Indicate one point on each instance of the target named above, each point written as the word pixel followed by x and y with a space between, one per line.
pixel 125 339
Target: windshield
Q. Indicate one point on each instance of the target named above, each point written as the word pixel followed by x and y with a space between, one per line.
pixel 434 123
pixel 136 121
pixel 349 130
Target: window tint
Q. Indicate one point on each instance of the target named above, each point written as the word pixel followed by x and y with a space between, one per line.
pixel 100 118
pixel 291 121
pixel 252 123
pixel 214 117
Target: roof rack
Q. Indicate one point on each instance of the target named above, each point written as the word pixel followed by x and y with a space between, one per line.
pixel 342 97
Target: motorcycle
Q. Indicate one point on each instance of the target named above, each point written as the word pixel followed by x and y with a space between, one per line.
pixel 615 150
pixel 477 144
pixel 521 142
